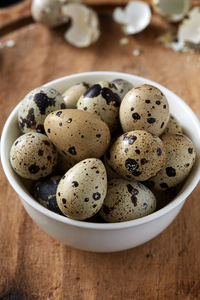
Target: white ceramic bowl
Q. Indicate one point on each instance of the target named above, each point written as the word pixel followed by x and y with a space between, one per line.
pixel 104 237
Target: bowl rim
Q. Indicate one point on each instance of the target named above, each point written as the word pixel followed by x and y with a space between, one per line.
pixel 180 199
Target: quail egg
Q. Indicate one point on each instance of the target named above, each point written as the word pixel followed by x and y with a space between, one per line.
pixel 137 155
pixel 33 156
pixel 72 94
pixel 173 126
pixel 123 86
pixel 102 99
pixel 127 200
pixel 180 157
pixel 35 106
pixel 82 190
pixel 77 133
pixel 145 108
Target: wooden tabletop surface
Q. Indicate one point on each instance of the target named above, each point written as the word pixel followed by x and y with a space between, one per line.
pixel 34 265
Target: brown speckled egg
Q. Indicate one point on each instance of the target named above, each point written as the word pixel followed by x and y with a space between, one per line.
pixel 77 133
pixel 146 108
pixel 35 106
pixel 180 157
pixel 123 86
pixel 173 126
pixel 33 156
pixel 72 94
pixel 127 200
pixel 102 99
pixel 82 190
pixel 137 155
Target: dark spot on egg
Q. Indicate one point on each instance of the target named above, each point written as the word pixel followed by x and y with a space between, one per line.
pixel 94 205
pixel 132 108
pixel 33 169
pixel 147 101
pixel 43 102
pixel 40 152
pixel 98 135
pixel 158 102
pixel 96 196
pixel 132 166
pixel 126 150
pixel 29 120
pixel 58 114
pixel 86 199
pixel 72 150
pixel 144 161
pixel 164 106
pixel 109 96
pixel 46 143
pixel 134 200
pixel 60 124
pixel 130 139
pixel 151 120
pixel 93 91
pixel 136 116
pixel 137 151
pixel 75 183
pixel 163 185
pixel 69 120
pixel 145 205
pixel 64 201
pixel 85 108
pixel 48 130
pixel 159 151
pixel 190 150
pixel 162 125
pixel 171 172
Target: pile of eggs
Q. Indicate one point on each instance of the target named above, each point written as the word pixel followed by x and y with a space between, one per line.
pixel 106 149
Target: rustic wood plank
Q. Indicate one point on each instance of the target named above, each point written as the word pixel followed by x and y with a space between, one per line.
pixel 32 264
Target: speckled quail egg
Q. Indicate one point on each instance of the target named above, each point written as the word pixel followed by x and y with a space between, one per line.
pixel 35 106
pixel 102 99
pixel 45 193
pixel 145 108
pixel 127 200
pixel 77 133
pixel 82 190
pixel 72 94
pixel 173 126
pixel 33 156
pixel 137 155
pixel 180 157
pixel 123 86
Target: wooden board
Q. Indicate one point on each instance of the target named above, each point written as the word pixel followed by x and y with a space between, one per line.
pixel 35 266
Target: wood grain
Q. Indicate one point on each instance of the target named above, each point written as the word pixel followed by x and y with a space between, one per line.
pixel 32 264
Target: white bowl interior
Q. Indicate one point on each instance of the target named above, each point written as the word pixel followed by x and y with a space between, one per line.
pixel 178 108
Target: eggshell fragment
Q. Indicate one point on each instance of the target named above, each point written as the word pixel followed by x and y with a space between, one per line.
pixel 77 133
pixel 33 156
pixel 102 99
pixel 127 200
pixel 35 106
pixel 144 107
pixel 180 157
pixel 72 94
pixel 82 190
pixel 136 155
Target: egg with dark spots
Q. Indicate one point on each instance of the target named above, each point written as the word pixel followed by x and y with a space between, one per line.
pixel 45 193
pixel 127 200
pixel 86 135
pixel 103 99
pixel 173 126
pixel 144 108
pixel 35 106
pixel 82 190
pixel 180 158
pixel 123 86
pixel 33 156
pixel 73 93
pixel 137 155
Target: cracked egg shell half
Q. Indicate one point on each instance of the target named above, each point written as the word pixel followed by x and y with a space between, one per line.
pixel 127 200
pixel 82 190
pixel 180 158
pixel 145 108
pixel 33 156
pixel 77 133
pixel 35 106
pixel 136 155
pixel 102 99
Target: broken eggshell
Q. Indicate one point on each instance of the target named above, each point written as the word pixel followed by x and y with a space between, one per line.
pixel 85 25
pixel 135 17
pixel 172 10
pixel 189 29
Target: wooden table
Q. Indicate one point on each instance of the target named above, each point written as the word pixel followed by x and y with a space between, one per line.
pixel 32 264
